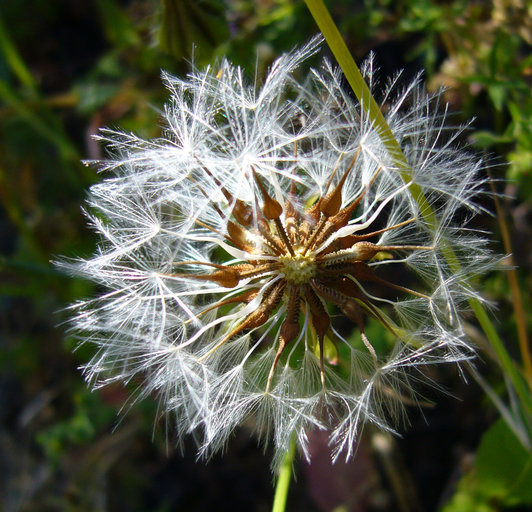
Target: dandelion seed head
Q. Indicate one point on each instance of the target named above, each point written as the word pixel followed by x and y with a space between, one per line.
pixel 235 250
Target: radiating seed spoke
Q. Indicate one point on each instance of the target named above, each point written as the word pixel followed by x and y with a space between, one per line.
pixel 244 298
pixel 270 300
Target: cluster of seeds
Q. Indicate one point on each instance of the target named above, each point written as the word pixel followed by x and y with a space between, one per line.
pixel 302 262
pixel 248 256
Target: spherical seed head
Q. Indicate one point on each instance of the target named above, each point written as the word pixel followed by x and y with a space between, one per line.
pixel 298 269
pixel 231 246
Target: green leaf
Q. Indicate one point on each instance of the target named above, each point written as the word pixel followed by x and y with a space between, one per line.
pixel 487 139
pixel 187 23
pixel 504 466
pixel 118 27
pixel 501 476
pixel 497 95
pixel 94 95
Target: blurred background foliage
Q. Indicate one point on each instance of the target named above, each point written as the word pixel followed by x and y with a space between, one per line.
pixel 69 67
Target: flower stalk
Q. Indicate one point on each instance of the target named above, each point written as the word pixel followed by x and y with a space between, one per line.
pixel 346 62
pixel 283 480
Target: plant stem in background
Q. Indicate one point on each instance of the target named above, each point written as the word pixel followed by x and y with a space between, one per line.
pixel 14 60
pixel 344 58
pixel 520 317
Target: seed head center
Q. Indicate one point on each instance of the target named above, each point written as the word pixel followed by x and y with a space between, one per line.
pixel 298 269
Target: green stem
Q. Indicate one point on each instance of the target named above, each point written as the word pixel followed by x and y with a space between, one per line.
pixel 356 81
pixel 520 315
pixel 283 481
pixel 14 60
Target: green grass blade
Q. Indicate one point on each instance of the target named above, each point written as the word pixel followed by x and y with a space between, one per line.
pixel 14 60
pixel 353 75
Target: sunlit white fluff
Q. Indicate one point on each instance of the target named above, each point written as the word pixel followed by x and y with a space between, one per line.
pixel 164 206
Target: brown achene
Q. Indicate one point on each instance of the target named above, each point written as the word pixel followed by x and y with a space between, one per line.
pixel 306 269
